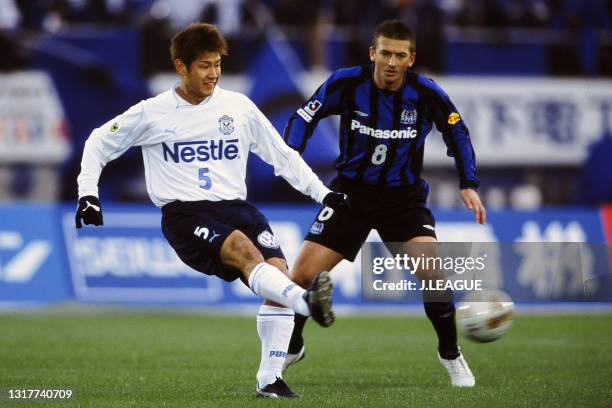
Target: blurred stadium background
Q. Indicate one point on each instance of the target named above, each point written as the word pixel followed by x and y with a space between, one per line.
pixel 531 78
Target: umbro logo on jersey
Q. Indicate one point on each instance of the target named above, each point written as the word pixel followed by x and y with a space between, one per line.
pixel 360 113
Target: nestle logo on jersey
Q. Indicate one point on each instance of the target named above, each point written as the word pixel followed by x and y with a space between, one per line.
pixel 408 133
pixel 201 150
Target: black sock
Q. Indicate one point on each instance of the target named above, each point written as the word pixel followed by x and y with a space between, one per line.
pixel 442 317
pixel 297 341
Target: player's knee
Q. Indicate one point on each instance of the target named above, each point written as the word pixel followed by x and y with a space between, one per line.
pixel 280 264
pixel 302 274
pixel 238 251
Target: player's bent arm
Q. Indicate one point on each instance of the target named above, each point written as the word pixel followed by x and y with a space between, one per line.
pixel 92 164
pixel 106 143
pixel 454 132
pixel 103 145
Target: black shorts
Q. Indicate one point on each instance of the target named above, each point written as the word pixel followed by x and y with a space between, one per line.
pixel 197 230
pixel 398 214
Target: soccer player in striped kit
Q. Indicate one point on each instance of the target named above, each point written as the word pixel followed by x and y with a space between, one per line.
pixel 386 112
pixel 195 139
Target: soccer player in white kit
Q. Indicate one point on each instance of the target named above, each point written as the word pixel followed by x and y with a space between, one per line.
pixel 195 140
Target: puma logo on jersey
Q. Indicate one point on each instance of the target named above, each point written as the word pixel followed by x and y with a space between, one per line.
pixel 204 232
pixel 90 205
pixel 173 130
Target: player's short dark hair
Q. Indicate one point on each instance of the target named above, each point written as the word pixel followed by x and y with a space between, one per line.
pixel 396 30
pixel 196 39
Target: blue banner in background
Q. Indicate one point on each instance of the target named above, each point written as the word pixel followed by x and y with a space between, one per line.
pixel 33 265
pixel 43 258
pixel 129 260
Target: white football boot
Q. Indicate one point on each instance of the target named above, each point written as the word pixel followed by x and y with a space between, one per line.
pixel 459 371
pixel 294 358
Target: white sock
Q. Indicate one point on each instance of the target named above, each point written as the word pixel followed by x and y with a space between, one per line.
pixel 274 325
pixel 270 283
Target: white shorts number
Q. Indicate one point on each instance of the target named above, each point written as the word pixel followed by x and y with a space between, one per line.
pixel 380 154
pixel 325 214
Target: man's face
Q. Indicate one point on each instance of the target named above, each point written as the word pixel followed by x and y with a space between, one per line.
pixel 203 74
pixel 391 59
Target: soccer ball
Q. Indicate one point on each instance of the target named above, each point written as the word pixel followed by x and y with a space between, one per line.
pixel 484 316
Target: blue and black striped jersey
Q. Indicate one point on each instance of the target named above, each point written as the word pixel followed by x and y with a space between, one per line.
pixel 382 133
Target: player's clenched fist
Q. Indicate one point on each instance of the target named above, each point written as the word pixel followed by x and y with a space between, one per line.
pixel 89 211
pixel 337 201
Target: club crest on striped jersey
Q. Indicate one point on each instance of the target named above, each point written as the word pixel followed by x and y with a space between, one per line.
pixel 226 124
pixel 409 117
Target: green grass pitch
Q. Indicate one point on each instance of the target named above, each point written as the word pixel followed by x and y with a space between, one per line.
pixel 165 360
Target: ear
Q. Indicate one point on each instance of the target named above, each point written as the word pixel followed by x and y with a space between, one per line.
pixel 411 59
pixel 180 67
pixel 372 53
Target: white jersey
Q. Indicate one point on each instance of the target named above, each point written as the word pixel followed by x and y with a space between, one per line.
pixel 195 152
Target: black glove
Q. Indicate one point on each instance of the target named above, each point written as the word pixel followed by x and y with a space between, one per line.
pixel 337 201
pixel 89 210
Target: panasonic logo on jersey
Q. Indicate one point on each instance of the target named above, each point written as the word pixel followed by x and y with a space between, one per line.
pixel 201 150
pixel 408 133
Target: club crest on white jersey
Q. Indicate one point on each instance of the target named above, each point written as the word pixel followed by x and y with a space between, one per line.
pixel 226 125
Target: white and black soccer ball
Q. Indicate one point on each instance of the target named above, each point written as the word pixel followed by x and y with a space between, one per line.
pixel 485 316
